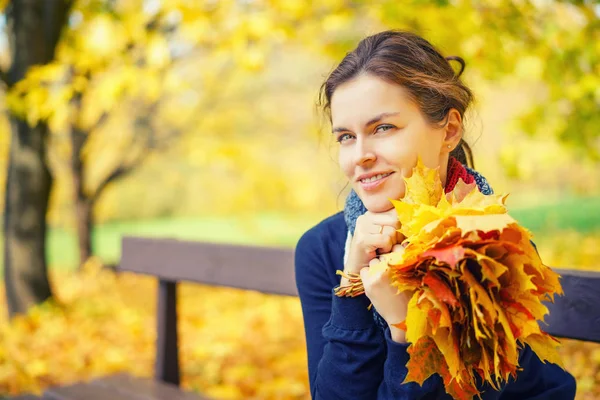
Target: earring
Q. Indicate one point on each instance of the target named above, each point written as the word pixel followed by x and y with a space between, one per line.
pixel 449 146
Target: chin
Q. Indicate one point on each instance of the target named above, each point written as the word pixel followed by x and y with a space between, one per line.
pixel 377 203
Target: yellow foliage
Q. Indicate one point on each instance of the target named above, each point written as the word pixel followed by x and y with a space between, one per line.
pixel 232 343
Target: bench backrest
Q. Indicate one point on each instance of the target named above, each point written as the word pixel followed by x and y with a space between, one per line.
pixel 575 315
pixel 264 269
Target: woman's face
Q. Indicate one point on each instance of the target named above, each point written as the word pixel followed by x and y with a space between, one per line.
pixel 381 134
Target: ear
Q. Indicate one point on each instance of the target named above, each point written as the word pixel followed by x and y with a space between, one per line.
pixel 452 131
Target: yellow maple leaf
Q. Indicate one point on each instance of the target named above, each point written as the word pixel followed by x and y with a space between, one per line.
pixel 448 345
pixel 484 223
pixel 545 347
pixel 416 319
pixel 423 186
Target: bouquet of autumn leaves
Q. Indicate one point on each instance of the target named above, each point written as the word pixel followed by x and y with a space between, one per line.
pixel 478 286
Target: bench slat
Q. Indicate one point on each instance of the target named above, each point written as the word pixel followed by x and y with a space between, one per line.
pixel 144 388
pixel 87 391
pixel 576 315
pixel 211 263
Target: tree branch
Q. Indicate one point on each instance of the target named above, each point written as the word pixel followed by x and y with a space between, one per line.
pixel 123 169
pixel 117 173
pixel 4 78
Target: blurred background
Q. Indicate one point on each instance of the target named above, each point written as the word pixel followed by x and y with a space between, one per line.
pixel 198 120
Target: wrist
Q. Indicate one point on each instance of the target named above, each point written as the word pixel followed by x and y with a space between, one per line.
pixel 397 334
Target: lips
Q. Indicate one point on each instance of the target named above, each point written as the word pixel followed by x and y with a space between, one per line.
pixel 372 181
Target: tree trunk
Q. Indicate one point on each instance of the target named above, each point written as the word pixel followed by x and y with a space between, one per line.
pixel 84 229
pixel 83 203
pixel 27 192
pixel 34 29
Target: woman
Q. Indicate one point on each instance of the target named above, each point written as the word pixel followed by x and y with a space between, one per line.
pixel 391 100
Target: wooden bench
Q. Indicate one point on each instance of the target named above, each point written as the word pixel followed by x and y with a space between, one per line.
pixel 173 261
pixel 269 270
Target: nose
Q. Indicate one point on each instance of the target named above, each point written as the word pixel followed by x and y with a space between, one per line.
pixel 364 155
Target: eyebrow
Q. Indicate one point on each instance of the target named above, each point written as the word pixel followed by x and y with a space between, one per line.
pixel 372 121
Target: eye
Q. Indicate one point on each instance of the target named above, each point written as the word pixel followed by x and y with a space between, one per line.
pixel 344 137
pixel 383 128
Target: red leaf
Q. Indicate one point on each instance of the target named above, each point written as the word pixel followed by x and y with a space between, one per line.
pixel 440 289
pixel 489 235
pixel 450 255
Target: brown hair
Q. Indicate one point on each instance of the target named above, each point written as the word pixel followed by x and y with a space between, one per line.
pixel 408 60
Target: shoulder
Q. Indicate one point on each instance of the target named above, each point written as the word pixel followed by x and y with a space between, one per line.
pixel 321 248
pixel 331 230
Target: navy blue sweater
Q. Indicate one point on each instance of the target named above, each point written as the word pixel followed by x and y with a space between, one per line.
pixel 350 356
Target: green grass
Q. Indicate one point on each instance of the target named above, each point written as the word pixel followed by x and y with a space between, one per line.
pixel 271 230
pixel 581 214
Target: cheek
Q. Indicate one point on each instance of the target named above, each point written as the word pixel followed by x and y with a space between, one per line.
pixel 400 156
pixel 345 162
pixel 426 143
pixel 401 152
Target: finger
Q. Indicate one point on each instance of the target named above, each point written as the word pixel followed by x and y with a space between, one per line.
pixel 390 231
pixel 385 230
pixel 400 237
pixel 398 248
pixel 379 243
pixel 376 229
pixel 381 218
pixel 374 261
pixel 385 245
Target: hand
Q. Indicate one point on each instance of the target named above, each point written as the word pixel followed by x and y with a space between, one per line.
pixel 375 233
pixel 391 305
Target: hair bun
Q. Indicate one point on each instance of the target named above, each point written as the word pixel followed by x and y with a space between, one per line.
pixel 460 61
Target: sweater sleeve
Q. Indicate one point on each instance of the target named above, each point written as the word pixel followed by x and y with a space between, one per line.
pixel 347 353
pixel 395 371
pixel 539 381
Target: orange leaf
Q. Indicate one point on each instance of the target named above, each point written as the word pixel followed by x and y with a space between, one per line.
pixel 449 255
pixel 440 289
pixel 401 325
pixel 425 360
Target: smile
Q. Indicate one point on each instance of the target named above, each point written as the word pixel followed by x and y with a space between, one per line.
pixel 372 182
pixel 375 178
